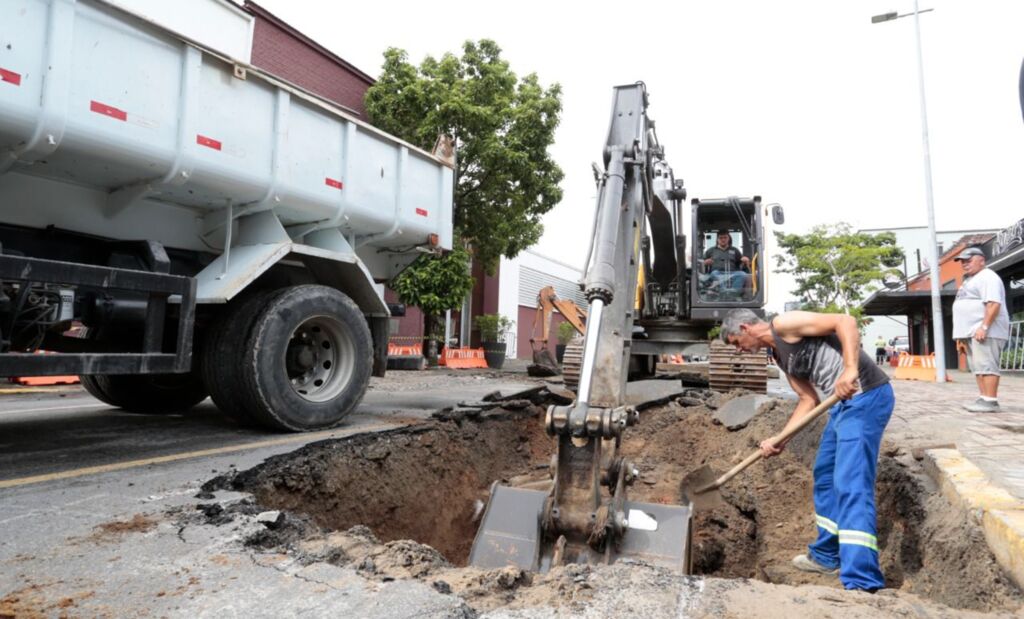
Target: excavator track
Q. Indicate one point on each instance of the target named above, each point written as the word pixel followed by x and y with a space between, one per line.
pixel 730 369
pixel 572 361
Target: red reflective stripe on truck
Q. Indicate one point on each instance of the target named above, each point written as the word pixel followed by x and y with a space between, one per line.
pixel 334 183
pixel 10 77
pixel 202 140
pixel 107 110
pixel 422 212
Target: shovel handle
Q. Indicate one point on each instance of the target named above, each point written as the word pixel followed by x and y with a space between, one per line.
pixel 807 420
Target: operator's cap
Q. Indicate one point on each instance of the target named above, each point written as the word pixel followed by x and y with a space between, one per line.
pixel 969 253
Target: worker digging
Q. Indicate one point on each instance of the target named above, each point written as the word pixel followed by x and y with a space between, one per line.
pixel 822 351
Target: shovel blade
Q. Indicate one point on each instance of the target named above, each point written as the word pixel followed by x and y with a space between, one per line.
pixel 510 534
pixel 699 487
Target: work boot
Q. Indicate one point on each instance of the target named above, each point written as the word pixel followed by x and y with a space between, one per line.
pixel 982 405
pixel 807 564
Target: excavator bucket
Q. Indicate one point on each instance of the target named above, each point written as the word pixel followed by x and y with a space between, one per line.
pixel 510 535
pixel 544 364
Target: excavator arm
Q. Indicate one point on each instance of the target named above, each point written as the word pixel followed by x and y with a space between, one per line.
pixel 587 517
pixel 547 302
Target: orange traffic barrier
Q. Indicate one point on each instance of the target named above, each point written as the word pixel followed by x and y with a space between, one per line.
pixel 41 381
pixel 394 350
pixel 463 358
pixel 916 367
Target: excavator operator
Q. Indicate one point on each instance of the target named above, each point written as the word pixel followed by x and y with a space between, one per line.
pixel 728 267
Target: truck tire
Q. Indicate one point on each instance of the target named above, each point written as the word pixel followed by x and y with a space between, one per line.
pixel 307 359
pixel 92 385
pixel 153 394
pixel 222 352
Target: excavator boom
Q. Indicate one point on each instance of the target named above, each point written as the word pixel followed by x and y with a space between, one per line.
pixel 544 364
pixel 646 296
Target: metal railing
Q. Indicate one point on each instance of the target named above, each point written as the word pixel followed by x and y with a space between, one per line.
pixel 1012 358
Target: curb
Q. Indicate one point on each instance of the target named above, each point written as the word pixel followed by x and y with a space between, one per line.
pixel 1000 514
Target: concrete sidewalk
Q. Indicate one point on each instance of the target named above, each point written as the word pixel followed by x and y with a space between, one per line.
pixel 929 414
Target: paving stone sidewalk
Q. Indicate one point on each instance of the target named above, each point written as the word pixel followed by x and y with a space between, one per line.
pixel 930 414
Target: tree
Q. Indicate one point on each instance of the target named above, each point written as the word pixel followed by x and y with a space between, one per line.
pixel 435 284
pixel 502 126
pixel 835 266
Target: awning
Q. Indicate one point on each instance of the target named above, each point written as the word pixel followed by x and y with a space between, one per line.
pixel 1008 262
pixel 904 302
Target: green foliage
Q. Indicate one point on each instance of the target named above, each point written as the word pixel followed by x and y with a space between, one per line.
pixel 835 266
pixel 565 332
pixel 435 283
pixel 503 126
pixel 492 327
pixel 1012 358
pixel 714 332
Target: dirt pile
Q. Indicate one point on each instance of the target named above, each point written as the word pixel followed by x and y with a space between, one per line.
pixel 428 484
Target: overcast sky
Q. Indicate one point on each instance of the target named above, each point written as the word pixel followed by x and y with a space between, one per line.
pixel 803 102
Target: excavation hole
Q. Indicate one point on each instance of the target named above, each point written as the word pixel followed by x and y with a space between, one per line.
pixel 428 482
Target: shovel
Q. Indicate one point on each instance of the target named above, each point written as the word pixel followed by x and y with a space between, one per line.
pixel 701 486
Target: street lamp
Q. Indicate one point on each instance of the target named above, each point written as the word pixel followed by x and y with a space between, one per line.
pixel 938 329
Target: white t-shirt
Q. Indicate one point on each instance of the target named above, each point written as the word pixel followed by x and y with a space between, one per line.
pixel 969 307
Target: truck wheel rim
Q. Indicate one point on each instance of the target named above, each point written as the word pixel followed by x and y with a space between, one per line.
pixel 320 359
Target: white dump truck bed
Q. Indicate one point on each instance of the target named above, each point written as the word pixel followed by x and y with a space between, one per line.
pixel 114 126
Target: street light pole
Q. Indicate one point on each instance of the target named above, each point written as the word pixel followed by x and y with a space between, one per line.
pixel 938 328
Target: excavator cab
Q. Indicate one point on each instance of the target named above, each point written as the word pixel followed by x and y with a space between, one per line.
pixel 728 256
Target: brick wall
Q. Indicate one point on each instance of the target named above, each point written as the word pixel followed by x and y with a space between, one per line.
pixel 280 49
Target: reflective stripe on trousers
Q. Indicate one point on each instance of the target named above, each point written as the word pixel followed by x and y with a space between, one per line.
pixel 844 488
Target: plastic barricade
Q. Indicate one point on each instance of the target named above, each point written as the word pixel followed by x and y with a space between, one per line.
pixel 43 381
pixel 397 350
pixel 916 367
pixel 464 358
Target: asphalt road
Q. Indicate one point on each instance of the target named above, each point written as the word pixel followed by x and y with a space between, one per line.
pixel 66 432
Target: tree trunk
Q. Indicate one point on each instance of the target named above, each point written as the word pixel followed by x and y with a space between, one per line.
pixel 430 339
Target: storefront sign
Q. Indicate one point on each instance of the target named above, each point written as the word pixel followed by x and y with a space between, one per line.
pixel 1008 238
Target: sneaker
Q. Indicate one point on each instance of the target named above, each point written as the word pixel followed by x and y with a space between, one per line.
pixel 983 406
pixel 807 564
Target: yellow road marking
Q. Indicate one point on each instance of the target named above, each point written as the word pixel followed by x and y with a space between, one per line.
pixel 94 406
pixel 15 390
pixel 120 466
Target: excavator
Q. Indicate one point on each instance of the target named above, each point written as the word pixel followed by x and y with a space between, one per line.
pixel 544 364
pixel 651 289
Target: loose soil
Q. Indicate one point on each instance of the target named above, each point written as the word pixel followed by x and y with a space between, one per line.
pixel 406 504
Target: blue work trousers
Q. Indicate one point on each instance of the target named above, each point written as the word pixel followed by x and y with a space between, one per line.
pixel 844 488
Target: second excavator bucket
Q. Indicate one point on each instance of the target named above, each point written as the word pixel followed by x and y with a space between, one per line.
pixel 544 364
pixel 511 535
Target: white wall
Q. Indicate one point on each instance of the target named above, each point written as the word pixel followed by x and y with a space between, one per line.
pixel 512 294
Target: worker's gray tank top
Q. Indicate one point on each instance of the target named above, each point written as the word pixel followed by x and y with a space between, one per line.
pixel 820 361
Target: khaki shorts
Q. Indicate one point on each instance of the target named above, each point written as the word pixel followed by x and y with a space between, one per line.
pixel 983 357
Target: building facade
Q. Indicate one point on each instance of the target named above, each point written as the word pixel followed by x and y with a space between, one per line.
pixel 282 50
pixel 914 241
pixel 1004 250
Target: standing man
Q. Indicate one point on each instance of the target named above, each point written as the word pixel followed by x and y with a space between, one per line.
pixel 726 263
pixel 982 324
pixel 823 351
pixel 880 350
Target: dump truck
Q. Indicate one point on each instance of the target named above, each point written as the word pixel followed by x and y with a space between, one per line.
pixel 177 223
pixel 649 292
